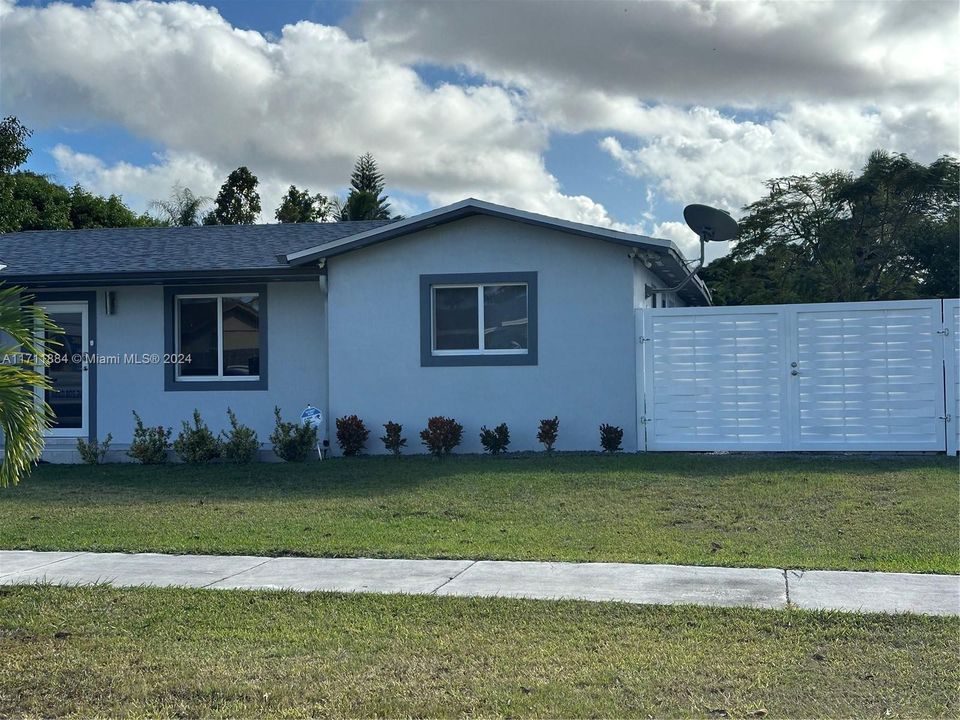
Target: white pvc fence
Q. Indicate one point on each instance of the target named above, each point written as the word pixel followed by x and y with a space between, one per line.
pixel 951 317
pixel 831 376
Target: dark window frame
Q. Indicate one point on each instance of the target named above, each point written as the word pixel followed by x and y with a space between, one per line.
pixel 428 359
pixel 227 384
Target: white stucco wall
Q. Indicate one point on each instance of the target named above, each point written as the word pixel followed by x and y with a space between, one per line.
pixel 296 320
pixel 643 276
pixel 586 369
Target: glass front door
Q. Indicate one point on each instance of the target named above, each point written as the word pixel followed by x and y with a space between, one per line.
pixel 68 370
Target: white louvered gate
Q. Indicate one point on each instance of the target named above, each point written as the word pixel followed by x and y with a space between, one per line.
pixel 714 379
pixel 951 323
pixel 832 376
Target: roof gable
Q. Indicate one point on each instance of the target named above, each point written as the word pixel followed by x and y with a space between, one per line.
pixel 467 208
pixel 665 257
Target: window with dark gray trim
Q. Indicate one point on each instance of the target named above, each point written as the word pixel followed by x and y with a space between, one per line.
pixel 216 338
pixel 478 319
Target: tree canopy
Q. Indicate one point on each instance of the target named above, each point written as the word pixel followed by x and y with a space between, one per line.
pixel 29 201
pixel 300 206
pixel 889 233
pixel 13 144
pixel 238 202
pixel 366 200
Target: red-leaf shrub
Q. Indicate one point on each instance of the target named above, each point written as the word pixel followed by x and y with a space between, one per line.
pixel 441 435
pixel 393 441
pixel 351 435
pixel 547 434
pixel 495 441
pixel 610 437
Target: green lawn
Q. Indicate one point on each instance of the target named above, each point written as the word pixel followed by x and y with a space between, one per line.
pixel 892 513
pixel 198 653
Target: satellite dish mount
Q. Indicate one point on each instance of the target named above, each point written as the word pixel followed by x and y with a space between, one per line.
pixel 710 225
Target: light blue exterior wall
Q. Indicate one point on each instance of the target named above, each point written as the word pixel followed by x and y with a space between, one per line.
pixel 297 370
pixel 586 372
pixel 351 344
pixel 643 276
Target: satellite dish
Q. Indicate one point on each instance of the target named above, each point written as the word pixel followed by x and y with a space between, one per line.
pixel 709 223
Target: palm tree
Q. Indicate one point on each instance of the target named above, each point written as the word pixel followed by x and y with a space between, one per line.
pixel 182 208
pixel 22 419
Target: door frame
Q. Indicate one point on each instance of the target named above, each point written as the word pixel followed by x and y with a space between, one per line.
pixel 50 300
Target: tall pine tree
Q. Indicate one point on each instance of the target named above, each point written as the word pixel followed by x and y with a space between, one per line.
pixel 366 200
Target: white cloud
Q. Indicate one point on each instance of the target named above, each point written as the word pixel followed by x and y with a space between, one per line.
pixel 141 184
pixel 685 51
pixel 298 109
pixel 701 155
pixel 714 98
pixel 683 236
pixel 138 184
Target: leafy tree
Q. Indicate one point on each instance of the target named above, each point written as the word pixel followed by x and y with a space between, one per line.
pixel 182 208
pixel 29 201
pixel 22 420
pixel 366 200
pixel 238 202
pixel 95 211
pixel 300 206
pixel 889 233
pixel 13 144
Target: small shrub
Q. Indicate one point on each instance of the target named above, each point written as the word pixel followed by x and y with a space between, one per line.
pixel 241 444
pixel 93 452
pixel 149 444
pixel 610 437
pixel 352 435
pixel 495 441
pixel 393 441
pixel 196 443
pixel 441 435
pixel 547 434
pixel 292 442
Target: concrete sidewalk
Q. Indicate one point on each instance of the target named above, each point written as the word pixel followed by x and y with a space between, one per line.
pixel 653 584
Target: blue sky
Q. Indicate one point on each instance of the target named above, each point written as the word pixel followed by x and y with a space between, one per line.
pixel 610 113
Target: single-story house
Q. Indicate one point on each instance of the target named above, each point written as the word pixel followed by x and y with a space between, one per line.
pixel 474 311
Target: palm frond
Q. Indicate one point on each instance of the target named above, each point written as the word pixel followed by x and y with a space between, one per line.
pixel 23 420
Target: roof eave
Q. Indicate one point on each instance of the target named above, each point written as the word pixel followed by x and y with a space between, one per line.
pixel 110 279
pixel 462 209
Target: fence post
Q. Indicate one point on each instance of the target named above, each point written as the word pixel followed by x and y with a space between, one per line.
pixel 638 347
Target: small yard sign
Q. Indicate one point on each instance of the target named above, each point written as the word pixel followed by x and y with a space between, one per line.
pixel 313 416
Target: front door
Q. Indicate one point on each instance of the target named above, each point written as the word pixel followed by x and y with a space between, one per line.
pixel 69 396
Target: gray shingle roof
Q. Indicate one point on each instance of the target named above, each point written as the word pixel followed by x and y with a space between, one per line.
pixel 157 250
